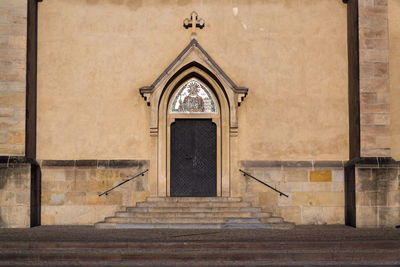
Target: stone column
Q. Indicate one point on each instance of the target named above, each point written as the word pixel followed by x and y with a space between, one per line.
pixel 376 181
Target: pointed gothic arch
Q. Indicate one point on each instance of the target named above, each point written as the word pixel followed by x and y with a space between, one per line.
pixel 193 63
pixel 192 96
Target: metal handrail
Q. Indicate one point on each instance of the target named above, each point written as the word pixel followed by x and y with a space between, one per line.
pixel 106 192
pixel 276 190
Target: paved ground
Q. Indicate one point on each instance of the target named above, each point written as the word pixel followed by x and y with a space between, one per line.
pixel 299 233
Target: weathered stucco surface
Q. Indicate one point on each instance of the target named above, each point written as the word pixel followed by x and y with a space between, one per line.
pixel 13 28
pixel 394 70
pixel 291 54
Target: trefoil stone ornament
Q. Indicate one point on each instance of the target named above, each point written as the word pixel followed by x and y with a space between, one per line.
pixel 194 22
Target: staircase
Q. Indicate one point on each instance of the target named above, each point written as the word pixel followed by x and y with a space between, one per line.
pixel 194 213
pixel 195 253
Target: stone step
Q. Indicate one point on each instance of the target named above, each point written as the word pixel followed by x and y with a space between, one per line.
pixel 242 220
pixel 272 226
pixel 194 199
pixel 106 225
pixel 190 214
pixel 193 256
pixel 263 214
pixel 178 220
pixel 193 209
pixel 193 213
pixel 198 263
pixel 272 220
pixel 346 244
pixel 193 204
pixel 251 209
pixel 277 226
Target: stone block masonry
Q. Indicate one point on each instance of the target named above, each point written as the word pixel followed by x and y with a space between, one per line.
pixel 378 196
pixel 315 189
pixel 14 195
pixel 13 31
pixel 70 189
pixel 374 79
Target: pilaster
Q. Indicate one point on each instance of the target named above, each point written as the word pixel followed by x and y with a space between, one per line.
pixel 374 79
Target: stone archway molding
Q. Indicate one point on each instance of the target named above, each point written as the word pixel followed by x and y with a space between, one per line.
pixel 193 61
pixel 193 56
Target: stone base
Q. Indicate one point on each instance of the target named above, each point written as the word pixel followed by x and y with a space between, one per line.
pixel 15 191
pixel 315 189
pixel 71 188
pixel 377 196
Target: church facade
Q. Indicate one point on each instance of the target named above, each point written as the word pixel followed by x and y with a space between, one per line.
pixel 301 94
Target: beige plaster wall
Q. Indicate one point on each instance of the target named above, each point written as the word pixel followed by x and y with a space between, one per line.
pixel 95 54
pixel 394 72
pixel 13 15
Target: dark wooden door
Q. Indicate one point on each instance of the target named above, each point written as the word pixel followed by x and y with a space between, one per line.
pixel 193 158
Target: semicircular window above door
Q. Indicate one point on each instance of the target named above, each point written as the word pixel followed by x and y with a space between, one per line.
pixel 193 96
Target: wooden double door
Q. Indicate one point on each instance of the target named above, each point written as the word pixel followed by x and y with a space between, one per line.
pixel 193 162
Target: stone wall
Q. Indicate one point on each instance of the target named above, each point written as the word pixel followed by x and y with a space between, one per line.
pixel 315 189
pixel 394 70
pixel 13 27
pixel 374 79
pixel 70 190
pixel 377 196
pixel 14 195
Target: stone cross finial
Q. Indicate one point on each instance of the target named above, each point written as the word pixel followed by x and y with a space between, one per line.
pixel 194 22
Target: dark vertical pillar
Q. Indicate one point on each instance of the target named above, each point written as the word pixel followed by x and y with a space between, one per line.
pixel 354 110
pixel 350 195
pixel 31 107
pixel 354 79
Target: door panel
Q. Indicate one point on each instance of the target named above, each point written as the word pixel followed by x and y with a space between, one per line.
pixel 193 158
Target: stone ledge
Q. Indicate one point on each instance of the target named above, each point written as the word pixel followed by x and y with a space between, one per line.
pixel 373 162
pixel 291 164
pixel 14 160
pixel 114 163
pixel 363 161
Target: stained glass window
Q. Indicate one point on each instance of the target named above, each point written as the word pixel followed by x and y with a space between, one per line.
pixel 193 97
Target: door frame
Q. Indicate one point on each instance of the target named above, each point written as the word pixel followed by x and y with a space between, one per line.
pixel 221 119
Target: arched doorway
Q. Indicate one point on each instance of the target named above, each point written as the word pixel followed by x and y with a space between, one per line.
pixel 194 134
pixel 168 121
pixel 195 168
